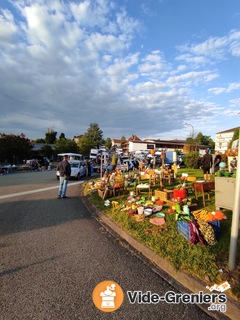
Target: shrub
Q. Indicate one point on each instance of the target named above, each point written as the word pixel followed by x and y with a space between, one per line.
pixel 192 160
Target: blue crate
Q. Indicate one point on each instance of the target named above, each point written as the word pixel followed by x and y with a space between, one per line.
pixel 184 229
pixel 216 227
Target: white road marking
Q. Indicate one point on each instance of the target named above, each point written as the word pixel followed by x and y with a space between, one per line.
pixel 35 191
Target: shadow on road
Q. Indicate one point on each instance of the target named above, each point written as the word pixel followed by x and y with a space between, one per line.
pixel 19 268
pixel 22 216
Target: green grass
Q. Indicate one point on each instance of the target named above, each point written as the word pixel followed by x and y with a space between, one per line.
pixel 202 262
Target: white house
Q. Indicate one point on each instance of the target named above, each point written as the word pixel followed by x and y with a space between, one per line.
pixel 223 138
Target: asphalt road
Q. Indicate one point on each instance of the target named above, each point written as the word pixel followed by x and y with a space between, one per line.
pixel 54 252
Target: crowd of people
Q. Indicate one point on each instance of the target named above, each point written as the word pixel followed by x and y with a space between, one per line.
pixel 211 165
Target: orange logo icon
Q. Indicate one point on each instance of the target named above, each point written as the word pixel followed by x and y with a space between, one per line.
pixel 108 296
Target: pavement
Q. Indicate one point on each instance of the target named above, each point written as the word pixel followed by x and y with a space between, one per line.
pixel 174 277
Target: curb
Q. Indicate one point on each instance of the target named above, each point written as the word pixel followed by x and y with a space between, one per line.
pixel 171 275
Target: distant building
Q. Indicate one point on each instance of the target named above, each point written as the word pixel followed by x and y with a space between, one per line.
pixel 77 138
pixel 134 143
pixel 117 143
pixel 223 138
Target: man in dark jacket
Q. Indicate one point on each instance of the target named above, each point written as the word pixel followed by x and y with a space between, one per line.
pixel 207 162
pixel 64 169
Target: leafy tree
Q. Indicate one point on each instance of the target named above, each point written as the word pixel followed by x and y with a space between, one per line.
pixel 46 151
pixel 50 136
pixel 66 145
pixel 192 160
pixel 94 135
pixel 14 149
pixel 200 139
pixel 108 143
pixel 85 144
pixel 62 136
pixel 41 140
pixel 123 140
pixel 235 137
pixel 205 140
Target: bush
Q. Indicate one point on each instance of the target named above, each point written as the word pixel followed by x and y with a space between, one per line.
pixel 192 160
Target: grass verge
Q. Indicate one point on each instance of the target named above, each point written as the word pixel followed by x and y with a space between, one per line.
pixel 207 263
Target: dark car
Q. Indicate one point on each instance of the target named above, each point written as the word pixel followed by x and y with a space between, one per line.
pixel 167 162
pixel 180 162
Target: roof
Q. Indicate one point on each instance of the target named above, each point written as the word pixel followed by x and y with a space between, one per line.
pixel 229 130
pixel 134 138
pixel 117 140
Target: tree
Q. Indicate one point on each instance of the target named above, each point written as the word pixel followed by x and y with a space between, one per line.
pixel 46 151
pixel 85 144
pixel 123 140
pixel 108 143
pixel 50 136
pixel 40 140
pixel 95 135
pixel 235 137
pixel 201 139
pixel 66 145
pixel 62 136
pixel 14 149
pixel 205 140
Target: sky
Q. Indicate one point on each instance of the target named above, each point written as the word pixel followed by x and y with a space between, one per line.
pixel 160 69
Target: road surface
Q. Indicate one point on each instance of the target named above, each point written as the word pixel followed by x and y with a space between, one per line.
pixel 53 253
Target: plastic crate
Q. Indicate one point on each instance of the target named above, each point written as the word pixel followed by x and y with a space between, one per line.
pixel 216 227
pixel 184 229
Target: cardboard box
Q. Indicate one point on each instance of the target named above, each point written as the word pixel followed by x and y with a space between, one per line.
pixel 163 195
pixel 105 193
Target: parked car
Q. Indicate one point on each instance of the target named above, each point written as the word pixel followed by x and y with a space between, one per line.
pixel 180 162
pixel 78 169
pixel 167 162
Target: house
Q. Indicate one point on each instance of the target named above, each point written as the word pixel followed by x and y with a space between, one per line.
pixel 223 138
pixel 134 144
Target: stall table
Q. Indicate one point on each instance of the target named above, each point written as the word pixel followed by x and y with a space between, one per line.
pixel 203 187
pixel 143 188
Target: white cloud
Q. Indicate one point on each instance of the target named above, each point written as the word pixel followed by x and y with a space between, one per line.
pixel 65 64
pixel 231 87
pixel 8 29
pixel 190 78
pixel 211 50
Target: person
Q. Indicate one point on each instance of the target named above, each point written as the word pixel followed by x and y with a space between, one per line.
pixel 206 164
pixel 233 165
pixel 89 168
pixel 64 169
pixel 216 162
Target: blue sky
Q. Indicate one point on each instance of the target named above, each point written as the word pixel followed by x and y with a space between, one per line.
pixel 133 67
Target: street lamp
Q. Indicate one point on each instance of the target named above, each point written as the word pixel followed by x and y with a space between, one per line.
pixel 188 124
